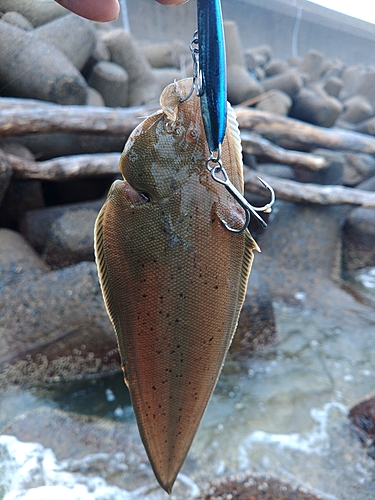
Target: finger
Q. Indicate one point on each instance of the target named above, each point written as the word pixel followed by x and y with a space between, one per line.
pixel 172 2
pixel 105 10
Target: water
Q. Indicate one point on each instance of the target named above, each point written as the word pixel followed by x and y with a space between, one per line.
pixel 363 280
pixel 288 414
pixel 283 413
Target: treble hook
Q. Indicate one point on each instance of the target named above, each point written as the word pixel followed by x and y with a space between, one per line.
pixel 197 75
pixel 230 187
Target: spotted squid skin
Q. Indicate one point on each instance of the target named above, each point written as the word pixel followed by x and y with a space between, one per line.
pixel 173 278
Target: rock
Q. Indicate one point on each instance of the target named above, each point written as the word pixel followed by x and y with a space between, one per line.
pixel 17 258
pixel 14 147
pixel 21 195
pixel 36 12
pixel 368 185
pixel 165 76
pixel 358 168
pixel 256 327
pixel 309 107
pixel 159 55
pixel 362 417
pixel 255 488
pixel 241 86
pixel 167 55
pixel 276 101
pixel 332 68
pixel 275 66
pixel 46 146
pixel 333 86
pixel 289 82
pixel 5 176
pixel 312 64
pixel 181 55
pixel 294 61
pixel 250 160
pixel 356 109
pixel 259 56
pixel 332 175
pixel 17 20
pixel 277 170
pixel 64 235
pixel 53 325
pixel 333 104
pixel 300 261
pixel 351 78
pixel 143 86
pixel 366 127
pixel 96 458
pixel 72 35
pixel 258 73
pixel 112 82
pixel 100 52
pixel 50 75
pixel 366 87
pixel 313 108
pixel 359 239
pixel 94 98
pixel 233 46
pixel 76 450
pixel 303 260
pixel 78 190
pixel 82 446
pixel 344 125
pixel 73 436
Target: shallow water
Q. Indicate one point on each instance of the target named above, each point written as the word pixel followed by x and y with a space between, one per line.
pixel 363 280
pixel 283 413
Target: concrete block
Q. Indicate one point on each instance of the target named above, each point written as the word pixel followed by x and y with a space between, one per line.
pixel 112 82
pixel 50 75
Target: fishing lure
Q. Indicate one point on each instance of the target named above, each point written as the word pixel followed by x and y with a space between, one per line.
pixel 212 65
pixel 208 52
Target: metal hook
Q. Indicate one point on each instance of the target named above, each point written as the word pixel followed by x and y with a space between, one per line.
pixel 197 76
pixel 248 208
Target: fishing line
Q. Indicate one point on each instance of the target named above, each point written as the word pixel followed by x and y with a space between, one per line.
pixel 296 31
pixel 124 15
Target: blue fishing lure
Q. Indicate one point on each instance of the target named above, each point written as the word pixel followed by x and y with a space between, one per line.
pixel 210 82
pixel 212 65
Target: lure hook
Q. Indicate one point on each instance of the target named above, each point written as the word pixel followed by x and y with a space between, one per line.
pixel 197 74
pixel 249 209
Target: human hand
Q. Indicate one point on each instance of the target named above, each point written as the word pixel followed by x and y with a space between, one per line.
pixel 103 11
pixel 171 2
